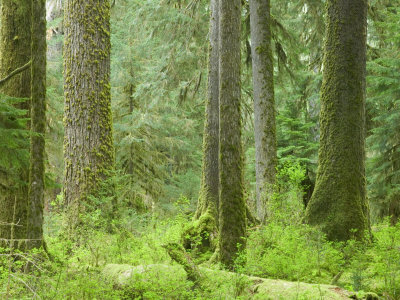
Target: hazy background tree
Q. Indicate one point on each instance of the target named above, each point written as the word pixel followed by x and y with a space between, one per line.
pixel 264 102
pixel 209 191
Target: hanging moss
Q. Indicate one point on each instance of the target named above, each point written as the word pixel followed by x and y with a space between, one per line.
pixel 15 38
pixel 338 204
pixel 88 142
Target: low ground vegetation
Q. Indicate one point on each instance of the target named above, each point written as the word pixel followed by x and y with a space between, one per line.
pixel 282 249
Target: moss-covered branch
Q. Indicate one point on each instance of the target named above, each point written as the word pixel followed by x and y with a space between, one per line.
pixel 15 72
pixel 178 254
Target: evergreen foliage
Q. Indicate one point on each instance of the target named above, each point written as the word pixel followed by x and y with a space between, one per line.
pixel 384 110
pixel 14 142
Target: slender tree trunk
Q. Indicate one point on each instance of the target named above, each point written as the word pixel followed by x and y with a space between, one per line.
pixel 38 124
pixel 338 204
pixel 15 40
pixel 209 192
pixel 232 207
pixel 88 142
pixel 264 103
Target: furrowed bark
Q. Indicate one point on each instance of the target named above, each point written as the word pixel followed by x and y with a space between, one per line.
pixel 232 207
pixel 15 51
pixel 338 204
pixel 88 142
pixel 264 103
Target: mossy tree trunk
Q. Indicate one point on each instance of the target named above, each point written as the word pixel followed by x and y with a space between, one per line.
pixel 15 41
pixel 209 190
pixel 264 103
pixel 38 124
pixel 88 142
pixel 232 207
pixel 338 204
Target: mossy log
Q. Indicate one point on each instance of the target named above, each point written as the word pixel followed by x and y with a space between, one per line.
pixel 179 254
pixel 123 277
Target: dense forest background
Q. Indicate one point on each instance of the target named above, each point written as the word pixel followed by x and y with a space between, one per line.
pixel 159 69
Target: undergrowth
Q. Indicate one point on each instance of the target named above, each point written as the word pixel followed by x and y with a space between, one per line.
pixel 284 248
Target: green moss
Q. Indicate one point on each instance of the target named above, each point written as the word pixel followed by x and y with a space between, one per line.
pixel 218 282
pixel 87 100
pixel 15 51
pixel 232 207
pixel 338 204
pixel 201 236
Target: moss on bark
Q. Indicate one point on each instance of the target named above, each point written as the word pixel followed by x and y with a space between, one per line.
pixel 205 226
pixel 232 207
pixel 338 204
pixel 88 142
pixel 38 124
pixel 264 103
pixel 15 41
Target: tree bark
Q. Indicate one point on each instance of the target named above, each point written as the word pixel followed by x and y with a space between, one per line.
pixel 88 142
pixel 209 190
pixel 264 103
pixel 38 124
pixel 232 207
pixel 15 40
pixel 338 204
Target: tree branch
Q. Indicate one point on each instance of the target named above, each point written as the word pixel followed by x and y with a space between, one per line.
pixel 15 72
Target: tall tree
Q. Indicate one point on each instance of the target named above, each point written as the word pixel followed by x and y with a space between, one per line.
pixel 38 124
pixel 15 39
pixel 232 207
pixel 209 190
pixel 338 204
pixel 88 142
pixel 264 102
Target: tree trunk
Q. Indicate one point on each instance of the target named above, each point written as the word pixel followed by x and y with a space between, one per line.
pixel 232 208
pixel 88 142
pixel 264 103
pixel 38 124
pixel 15 42
pixel 209 191
pixel 338 204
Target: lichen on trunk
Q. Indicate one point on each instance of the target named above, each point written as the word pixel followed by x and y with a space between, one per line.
pixel 264 103
pixel 88 142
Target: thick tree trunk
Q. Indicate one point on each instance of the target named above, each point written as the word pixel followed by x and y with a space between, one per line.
pixel 338 204
pixel 88 142
pixel 232 207
pixel 38 125
pixel 209 190
pixel 15 42
pixel 264 103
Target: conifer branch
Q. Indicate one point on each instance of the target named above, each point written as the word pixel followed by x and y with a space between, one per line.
pixel 15 72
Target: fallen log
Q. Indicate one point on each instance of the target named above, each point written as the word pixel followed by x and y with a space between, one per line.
pixel 123 276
